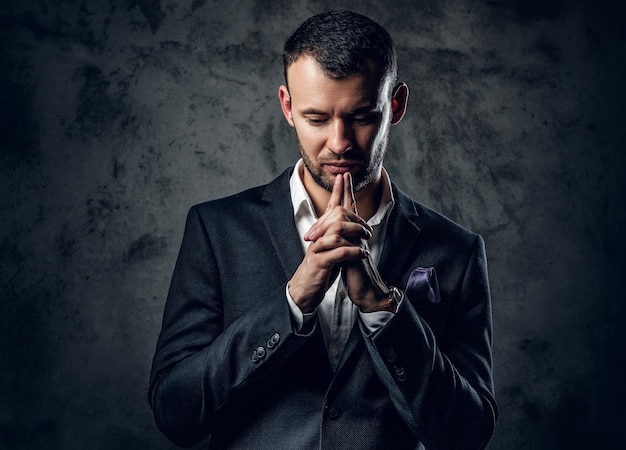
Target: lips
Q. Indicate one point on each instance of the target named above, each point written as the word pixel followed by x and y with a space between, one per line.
pixel 340 166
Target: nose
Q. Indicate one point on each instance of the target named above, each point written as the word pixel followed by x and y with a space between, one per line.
pixel 339 141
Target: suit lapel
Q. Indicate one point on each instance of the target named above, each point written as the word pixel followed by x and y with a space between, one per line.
pixel 354 340
pixel 278 219
pixel 400 239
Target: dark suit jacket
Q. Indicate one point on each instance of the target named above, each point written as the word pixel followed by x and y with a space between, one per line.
pixel 228 364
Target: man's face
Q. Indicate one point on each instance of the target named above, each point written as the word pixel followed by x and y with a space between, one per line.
pixel 342 125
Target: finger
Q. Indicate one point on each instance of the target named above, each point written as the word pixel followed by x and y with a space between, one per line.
pixel 352 216
pixel 349 201
pixel 320 226
pixel 327 251
pixel 329 242
pixel 349 235
pixel 337 221
pixel 350 230
pixel 335 196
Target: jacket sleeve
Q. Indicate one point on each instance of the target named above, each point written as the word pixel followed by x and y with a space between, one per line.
pixel 443 386
pixel 202 370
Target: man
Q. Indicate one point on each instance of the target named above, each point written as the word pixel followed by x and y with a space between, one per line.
pixel 327 309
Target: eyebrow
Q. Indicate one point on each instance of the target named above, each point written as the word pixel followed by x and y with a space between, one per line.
pixel 312 112
pixel 360 110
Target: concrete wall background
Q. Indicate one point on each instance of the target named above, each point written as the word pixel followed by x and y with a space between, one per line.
pixel 116 116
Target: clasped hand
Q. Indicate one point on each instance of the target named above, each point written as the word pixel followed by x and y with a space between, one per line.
pixel 338 241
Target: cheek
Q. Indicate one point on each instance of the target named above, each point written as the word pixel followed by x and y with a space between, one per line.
pixel 311 140
pixel 367 138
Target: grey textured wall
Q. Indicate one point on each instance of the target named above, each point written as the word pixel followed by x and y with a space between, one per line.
pixel 116 116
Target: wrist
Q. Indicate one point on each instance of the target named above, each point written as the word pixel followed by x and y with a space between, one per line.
pixel 389 303
pixel 303 302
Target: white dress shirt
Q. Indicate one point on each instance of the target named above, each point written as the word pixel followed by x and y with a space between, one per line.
pixel 336 312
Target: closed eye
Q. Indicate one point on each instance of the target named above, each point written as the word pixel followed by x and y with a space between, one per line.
pixel 316 121
pixel 365 119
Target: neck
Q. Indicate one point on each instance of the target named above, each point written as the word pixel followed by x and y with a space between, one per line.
pixel 368 199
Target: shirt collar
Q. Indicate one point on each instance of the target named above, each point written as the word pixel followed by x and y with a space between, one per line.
pixel 302 204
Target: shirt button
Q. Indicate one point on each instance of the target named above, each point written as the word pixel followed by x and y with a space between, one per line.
pixel 342 294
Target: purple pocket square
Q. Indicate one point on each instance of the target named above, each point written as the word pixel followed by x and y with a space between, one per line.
pixel 422 285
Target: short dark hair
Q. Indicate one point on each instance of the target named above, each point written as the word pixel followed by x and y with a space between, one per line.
pixel 342 42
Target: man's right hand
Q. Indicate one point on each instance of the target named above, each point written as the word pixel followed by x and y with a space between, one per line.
pixel 335 238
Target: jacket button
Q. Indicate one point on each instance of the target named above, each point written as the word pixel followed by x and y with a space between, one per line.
pixel 333 412
pixel 257 355
pixel 390 355
pixel 401 374
pixel 271 342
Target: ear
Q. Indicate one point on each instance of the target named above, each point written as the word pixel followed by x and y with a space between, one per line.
pixel 399 99
pixel 285 103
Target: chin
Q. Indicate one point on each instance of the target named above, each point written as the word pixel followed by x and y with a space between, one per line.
pixel 326 183
pixel 361 180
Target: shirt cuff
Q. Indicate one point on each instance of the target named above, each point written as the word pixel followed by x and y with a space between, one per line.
pixel 298 318
pixel 374 321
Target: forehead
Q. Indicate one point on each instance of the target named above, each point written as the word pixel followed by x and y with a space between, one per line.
pixel 307 81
